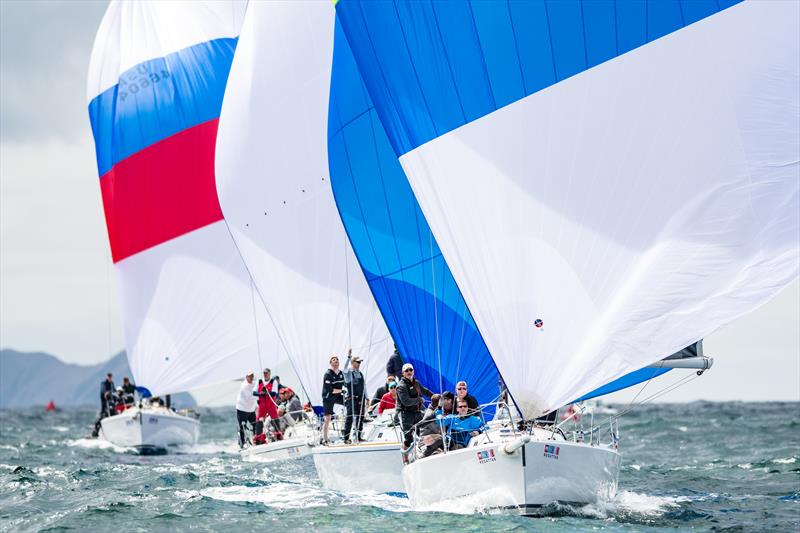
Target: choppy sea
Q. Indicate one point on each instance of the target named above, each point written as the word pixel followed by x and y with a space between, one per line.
pixel 698 466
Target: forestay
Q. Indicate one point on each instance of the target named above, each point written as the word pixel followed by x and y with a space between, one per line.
pixel 272 179
pixel 156 80
pixel 608 182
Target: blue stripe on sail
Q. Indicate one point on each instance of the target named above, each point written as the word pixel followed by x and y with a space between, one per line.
pixel 432 67
pixel 415 291
pixel 158 98
pixel 628 380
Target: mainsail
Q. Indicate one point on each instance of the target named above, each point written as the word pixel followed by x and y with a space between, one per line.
pixel 400 257
pixel 609 182
pixel 156 80
pixel 272 180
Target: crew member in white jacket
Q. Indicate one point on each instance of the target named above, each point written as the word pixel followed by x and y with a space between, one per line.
pixel 246 405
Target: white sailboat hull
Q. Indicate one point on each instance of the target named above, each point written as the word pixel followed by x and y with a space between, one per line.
pixel 293 448
pixel 369 466
pixel 520 481
pixel 150 427
pixel 297 444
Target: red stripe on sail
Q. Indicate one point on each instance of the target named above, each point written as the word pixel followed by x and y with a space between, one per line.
pixel 161 192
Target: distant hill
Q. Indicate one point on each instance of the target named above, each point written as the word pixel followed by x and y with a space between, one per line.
pixel 28 379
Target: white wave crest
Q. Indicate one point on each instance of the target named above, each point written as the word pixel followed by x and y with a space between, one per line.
pixel 387 502
pixel 482 502
pixel 277 495
pixel 627 503
pixel 97 444
pixel 209 448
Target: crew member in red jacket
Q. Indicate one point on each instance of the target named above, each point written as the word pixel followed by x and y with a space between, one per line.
pixel 266 402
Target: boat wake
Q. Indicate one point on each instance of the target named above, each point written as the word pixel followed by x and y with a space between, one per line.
pixel 98 444
pixel 277 495
pixel 626 506
pixel 208 448
pixel 486 502
pixel 285 495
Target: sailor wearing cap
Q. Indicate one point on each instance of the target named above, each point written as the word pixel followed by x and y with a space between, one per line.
pixel 410 403
pixel 246 405
pixel 355 399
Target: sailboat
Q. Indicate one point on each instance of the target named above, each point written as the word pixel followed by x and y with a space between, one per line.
pixel 155 86
pixel 273 186
pixel 608 183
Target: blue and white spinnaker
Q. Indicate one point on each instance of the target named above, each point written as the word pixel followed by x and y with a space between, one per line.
pixel 609 182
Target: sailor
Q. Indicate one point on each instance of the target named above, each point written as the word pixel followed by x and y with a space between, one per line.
pixel 266 403
pixel 355 400
pixel 461 393
pixel 428 428
pixel 447 405
pixel 410 403
pixel 128 391
pixel 463 426
pixel 106 391
pixel 274 384
pixel 382 390
pixel 430 412
pixel 292 404
pixel 332 384
pixel 119 400
pixel 388 400
pixel 246 405
pixel 394 366
pixel 283 422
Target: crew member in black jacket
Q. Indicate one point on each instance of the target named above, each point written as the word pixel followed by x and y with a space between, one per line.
pixel 107 389
pixel 106 393
pixel 332 384
pixel 394 366
pixel 354 402
pixel 410 403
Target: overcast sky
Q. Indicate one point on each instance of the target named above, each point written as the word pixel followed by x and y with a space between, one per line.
pixel 57 291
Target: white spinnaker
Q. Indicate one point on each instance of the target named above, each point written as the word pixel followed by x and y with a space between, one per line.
pixel 272 180
pixel 189 314
pixel 634 208
pixel 133 32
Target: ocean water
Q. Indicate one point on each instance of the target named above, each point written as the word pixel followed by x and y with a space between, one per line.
pixel 699 467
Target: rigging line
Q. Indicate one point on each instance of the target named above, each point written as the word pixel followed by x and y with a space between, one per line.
pixel 436 315
pixel 641 390
pixel 255 323
pixel 680 383
pixel 683 381
pixel 347 288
